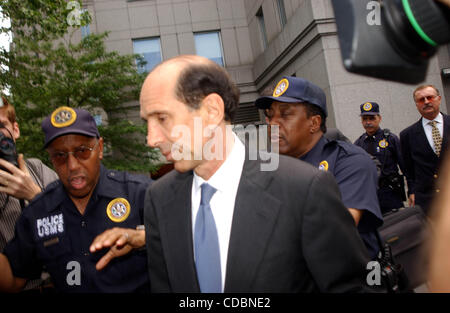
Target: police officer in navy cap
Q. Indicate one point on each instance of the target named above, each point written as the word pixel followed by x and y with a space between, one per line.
pixel 385 147
pixel 59 225
pixel 298 107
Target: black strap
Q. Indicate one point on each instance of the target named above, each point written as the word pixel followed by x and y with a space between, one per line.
pixel 386 134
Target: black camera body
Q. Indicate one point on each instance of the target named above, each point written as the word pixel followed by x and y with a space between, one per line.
pixel 8 150
pixel 391 39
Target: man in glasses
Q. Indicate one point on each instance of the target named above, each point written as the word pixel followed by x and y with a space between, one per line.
pixel 423 145
pixel 59 225
pixel 20 179
pixel 298 108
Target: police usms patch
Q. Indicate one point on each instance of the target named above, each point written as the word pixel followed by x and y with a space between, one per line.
pixel 118 210
pixel 63 117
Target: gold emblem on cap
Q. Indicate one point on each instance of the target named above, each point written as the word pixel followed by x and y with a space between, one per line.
pixel 367 106
pixel 383 143
pixel 63 117
pixel 118 210
pixel 281 87
pixel 323 166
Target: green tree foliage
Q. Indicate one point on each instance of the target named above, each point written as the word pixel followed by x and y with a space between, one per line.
pixel 46 69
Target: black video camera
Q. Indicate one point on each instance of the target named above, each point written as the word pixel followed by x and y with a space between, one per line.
pixel 7 148
pixel 391 39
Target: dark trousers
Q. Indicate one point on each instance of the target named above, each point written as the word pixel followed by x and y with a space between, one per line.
pixel 424 200
pixel 389 199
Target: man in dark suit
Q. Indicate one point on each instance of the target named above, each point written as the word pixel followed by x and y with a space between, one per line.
pixel 220 222
pixel 284 230
pixel 423 145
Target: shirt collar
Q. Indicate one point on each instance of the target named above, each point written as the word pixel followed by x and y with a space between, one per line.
pixel 439 119
pixel 315 153
pixel 230 171
pixel 378 132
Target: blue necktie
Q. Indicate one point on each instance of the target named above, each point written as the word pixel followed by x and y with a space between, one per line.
pixel 206 245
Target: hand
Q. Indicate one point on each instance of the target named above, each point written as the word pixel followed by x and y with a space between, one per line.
pixel 120 241
pixel 446 2
pixel 412 200
pixel 17 182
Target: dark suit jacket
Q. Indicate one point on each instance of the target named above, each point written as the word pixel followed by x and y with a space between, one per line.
pixel 421 163
pixel 290 233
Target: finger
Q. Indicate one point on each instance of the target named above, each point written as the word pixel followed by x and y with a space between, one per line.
pixel 105 240
pixel 123 240
pixel 105 260
pixel 10 168
pixel 22 164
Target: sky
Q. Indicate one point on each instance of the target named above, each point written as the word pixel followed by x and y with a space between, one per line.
pixel 4 39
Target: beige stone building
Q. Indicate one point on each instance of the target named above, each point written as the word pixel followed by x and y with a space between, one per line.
pixel 259 41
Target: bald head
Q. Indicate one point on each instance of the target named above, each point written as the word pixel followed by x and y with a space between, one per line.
pixel 190 78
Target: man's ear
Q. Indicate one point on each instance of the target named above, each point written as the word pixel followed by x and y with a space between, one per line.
pixel 16 131
pixel 100 148
pixel 213 109
pixel 316 120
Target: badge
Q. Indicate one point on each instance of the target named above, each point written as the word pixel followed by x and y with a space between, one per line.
pixel 281 87
pixel 367 106
pixel 118 210
pixel 383 143
pixel 323 166
pixel 63 117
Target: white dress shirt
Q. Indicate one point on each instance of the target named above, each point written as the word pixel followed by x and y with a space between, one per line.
pixel 428 129
pixel 226 181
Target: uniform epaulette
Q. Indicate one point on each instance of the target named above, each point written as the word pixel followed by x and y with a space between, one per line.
pixel 349 148
pixel 47 190
pixel 120 176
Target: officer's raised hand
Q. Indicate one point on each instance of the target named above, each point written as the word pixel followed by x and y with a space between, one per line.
pixel 120 241
pixel 17 181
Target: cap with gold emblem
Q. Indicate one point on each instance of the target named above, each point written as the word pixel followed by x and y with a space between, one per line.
pixel 295 90
pixel 66 120
pixel 369 108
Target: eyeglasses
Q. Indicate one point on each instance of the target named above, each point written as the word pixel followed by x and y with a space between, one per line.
pixel 428 98
pixel 81 153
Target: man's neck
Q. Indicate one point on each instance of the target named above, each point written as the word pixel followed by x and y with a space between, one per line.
pixel 431 118
pixel 209 167
pixel 372 133
pixel 314 140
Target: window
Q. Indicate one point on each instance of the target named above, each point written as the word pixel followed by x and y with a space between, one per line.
pixel 150 50
pixel 209 46
pixel 282 12
pixel 85 30
pixel 262 27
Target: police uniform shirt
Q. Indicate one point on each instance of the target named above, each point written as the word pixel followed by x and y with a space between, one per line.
pixel 386 150
pixel 356 175
pixel 51 232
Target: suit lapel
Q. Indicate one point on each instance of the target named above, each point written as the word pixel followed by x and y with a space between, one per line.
pixel 422 140
pixel 254 217
pixel 446 129
pixel 178 246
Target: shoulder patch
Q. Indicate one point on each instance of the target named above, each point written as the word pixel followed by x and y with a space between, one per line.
pixel 323 166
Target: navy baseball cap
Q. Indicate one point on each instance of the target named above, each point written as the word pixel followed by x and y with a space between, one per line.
pixel 66 120
pixel 369 108
pixel 294 90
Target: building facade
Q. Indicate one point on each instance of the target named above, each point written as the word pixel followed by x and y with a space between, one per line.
pixel 258 42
